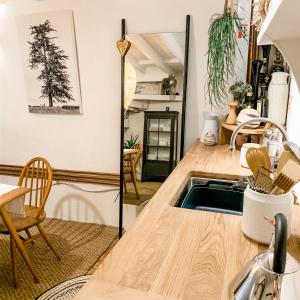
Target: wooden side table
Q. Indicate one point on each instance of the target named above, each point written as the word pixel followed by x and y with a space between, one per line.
pixel 226 131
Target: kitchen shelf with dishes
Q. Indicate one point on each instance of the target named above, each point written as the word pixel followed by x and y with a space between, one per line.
pixel 281 28
pixel 137 106
pixel 168 98
pixel 160 131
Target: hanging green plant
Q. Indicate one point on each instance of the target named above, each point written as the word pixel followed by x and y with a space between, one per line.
pixel 222 45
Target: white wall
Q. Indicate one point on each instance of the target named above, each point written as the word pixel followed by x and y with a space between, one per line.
pixel 293 124
pixel 91 141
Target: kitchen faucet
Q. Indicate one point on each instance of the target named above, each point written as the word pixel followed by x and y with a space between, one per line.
pixel 265 120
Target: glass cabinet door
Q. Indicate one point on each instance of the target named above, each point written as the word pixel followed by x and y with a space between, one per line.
pixel 153 125
pixel 164 125
pixel 160 144
pixel 159 139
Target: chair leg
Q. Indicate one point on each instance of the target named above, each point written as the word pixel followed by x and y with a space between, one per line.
pixel 125 187
pixel 133 177
pixel 13 260
pixel 29 235
pixel 19 244
pixel 44 235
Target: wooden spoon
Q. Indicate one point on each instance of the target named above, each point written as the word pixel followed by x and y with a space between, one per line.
pixel 264 150
pixel 256 158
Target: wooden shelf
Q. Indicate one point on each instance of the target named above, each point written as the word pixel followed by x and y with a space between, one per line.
pixel 281 23
pixel 282 28
pixel 168 98
pixel 226 132
pixel 259 130
pixel 159 131
pixel 158 146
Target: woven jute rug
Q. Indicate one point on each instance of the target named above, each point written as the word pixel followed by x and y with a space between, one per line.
pixel 66 290
pixel 80 246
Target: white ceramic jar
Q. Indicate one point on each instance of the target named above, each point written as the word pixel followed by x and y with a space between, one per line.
pixel 257 207
pixel 278 97
pixel 210 127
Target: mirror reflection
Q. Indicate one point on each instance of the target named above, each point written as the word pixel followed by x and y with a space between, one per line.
pixel 154 69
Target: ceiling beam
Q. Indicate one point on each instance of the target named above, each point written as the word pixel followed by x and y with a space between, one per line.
pixel 149 52
pixel 135 63
pixel 173 45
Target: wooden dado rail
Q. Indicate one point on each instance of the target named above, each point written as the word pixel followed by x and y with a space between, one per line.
pixel 69 175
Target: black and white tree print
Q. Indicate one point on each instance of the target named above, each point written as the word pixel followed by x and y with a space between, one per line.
pixel 50 60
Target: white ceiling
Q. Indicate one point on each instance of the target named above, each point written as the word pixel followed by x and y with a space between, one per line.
pixel 163 50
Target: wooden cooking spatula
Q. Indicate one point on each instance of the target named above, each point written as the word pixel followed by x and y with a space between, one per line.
pixel 256 158
pixel 284 157
pixel 264 150
pixel 287 178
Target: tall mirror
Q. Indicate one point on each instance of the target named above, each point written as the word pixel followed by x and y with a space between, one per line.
pixel 155 79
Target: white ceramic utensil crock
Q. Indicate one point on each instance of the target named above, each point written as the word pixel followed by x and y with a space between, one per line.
pixel 258 207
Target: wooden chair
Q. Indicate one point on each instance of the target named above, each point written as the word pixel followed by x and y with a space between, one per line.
pixel 36 175
pixel 130 164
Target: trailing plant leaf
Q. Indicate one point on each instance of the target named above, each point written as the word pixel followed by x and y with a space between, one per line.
pixel 222 44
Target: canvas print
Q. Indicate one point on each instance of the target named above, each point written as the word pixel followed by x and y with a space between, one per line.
pixel 148 87
pixel 50 62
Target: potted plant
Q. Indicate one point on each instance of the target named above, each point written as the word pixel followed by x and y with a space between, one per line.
pixel 239 91
pixel 130 143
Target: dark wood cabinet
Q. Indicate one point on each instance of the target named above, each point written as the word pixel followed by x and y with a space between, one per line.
pixel 160 144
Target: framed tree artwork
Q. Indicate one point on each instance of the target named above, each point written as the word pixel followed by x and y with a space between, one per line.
pixel 48 48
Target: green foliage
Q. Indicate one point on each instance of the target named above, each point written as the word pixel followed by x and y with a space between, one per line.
pixel 128 144
pixel 240 89
pixel 222 44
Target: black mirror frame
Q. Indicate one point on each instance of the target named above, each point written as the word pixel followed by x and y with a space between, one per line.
pixel 122 111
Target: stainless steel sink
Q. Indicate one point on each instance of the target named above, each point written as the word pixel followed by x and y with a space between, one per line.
pixel 215 195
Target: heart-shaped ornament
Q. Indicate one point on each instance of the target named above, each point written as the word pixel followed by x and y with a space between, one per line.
pixel 123 46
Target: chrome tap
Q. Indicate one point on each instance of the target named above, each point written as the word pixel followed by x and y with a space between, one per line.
pixel 265 120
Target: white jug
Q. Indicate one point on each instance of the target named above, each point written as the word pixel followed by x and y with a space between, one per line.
pixel 278 97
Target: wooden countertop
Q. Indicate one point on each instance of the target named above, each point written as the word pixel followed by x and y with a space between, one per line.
pixel 174 253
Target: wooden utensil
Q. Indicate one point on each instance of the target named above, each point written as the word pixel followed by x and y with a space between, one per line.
pixel 256 158
pixel 264 150
pixel 264 180
pixel 290 146
pixel 287 178
pixel 284 157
